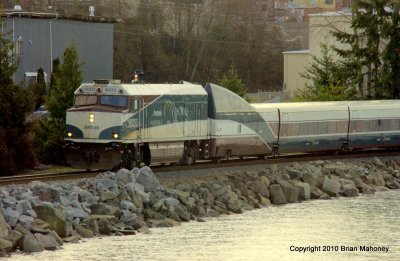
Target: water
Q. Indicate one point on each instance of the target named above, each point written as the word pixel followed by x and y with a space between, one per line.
pixel 265 234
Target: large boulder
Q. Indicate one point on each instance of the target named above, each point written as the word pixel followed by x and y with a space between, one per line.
pixel 103 209
pixel 5 244
pixel 124 176
pixel 45 191
pixel 304 190
pixel 105 226
pixel 30 244
pixel 291 192
pixel 47 241
pixel 310 178
pixel 331 187
pixel 147 178
pixel 376 178
pixel 82 231
pixel 3 226
pixel 15 238
pixel 71 213
pixel 26 221
pixel 54 217
pixel 276 194
pixel 260 186
pixel 11 216
pixel 350 190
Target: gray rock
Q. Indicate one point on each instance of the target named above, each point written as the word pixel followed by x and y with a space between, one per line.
pixel 127 216
pixel 171 203
pixel 291 192
pixel 5 244
pixel 15 238
pixel 30 244
pixel 72 213
pixel 330 186
pixel 304 190
pixel 183 215
pixel 392 184
pixel 3 226
pixel 137 200
pixel 350 190
pixel 102 209
pixel 311 179
pixel 127 205
pixel 48 242
pixel 376 178
pixel 54 217
pixel 82 231
pixel 147 178
pixel 276 194
pixel 108 195
pixel 107 184
pixel 136 188
pixel 93 225
pixel 235 206
pixel 26 221
pixel 9 202
pixel 105 227
pixel 294 173
pixel 23 206
pixel 260 186
pixel 124 195
pixel 11 216
pixel 208 198
pixel 125 176
pixel 212 213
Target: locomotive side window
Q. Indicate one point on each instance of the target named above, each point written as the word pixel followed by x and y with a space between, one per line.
pixel 134 105
pixel 83 100
pixel 117 101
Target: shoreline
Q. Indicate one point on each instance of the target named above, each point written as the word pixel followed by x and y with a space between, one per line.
pixel 42 216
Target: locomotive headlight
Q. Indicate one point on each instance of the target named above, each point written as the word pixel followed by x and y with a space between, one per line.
pixel 69 134
pixel 91 118
pixel 115 135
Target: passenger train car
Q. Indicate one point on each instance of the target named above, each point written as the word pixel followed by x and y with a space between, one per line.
pixel 113 125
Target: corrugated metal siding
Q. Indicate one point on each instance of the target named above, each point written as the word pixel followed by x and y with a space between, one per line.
pixel 93 41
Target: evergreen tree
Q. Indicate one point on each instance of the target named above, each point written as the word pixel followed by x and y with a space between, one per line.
pixel 38 90
pixel 15 148
pixel 49 133
pixel 330 80
pixel 374 23
pixel 390 87
pixel 232 82
pixel 64 82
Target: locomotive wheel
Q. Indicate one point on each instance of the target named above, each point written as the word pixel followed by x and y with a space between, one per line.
pixel 146 154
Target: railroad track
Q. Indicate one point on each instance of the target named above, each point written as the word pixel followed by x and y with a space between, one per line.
pixel 48 176
pixel 159 169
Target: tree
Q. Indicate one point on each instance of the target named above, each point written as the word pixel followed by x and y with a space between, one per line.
pixel 37 90
pixel 64 82
pixel 49 133
pixel 374 47
pixel 331 80
pixel 15 148
pixel 232 82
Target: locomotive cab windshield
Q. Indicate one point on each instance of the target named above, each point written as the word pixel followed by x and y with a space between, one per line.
pixel 82 100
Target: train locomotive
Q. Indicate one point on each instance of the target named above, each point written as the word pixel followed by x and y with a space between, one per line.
pixel 115 125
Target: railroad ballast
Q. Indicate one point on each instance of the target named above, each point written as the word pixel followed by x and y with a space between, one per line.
pixel 121 125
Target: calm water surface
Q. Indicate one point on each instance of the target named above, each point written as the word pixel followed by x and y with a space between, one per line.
pixel 265 234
